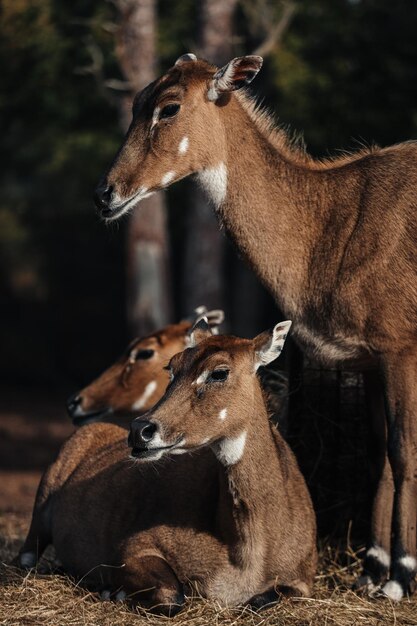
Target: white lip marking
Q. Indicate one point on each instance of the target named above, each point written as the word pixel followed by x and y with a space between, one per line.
pixel 393 590
pixel 230 450
pixel 223 414
pixel 380 555
pixel 148 391
pixel 214 182
pixel 166 178
pixel 183 145
pixel 141 194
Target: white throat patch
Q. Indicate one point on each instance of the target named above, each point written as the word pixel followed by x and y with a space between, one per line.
pixel 214 182
pixel 230 450
pixel 142 400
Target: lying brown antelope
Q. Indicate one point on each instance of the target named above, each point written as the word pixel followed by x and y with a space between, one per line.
pixel 234 517
pixel 334 241
pixel 138 379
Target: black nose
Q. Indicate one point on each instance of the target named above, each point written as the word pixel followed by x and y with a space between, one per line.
pixel 141 433
pixel 73 403
pixel 103 197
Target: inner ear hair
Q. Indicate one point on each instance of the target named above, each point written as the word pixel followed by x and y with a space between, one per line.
pixel 200 331
pixel 269 345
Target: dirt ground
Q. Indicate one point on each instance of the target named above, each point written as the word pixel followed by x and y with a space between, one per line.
pixel 32 427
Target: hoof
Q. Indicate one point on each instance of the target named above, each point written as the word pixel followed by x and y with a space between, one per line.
pixel 364 585
pixel 392 590
pixel 27 560
pixel 105 595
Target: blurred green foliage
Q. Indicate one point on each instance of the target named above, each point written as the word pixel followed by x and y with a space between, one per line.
pixel 345 72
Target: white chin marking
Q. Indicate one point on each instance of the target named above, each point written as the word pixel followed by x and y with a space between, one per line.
pixel 28 559
pixel 393 590
pixel 380 555
pixel 183 145
pixel 167 178
pixel 214 182
pixel 409 562
pixel 223 414
pixel 230 450
pixel 147 393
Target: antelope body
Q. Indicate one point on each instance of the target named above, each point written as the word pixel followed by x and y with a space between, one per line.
pixel 234 517
pixel 334 241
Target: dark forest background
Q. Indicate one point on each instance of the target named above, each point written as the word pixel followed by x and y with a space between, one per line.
pixel 343 73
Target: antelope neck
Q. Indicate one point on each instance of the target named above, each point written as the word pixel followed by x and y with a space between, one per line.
pixel 273 208
pixel 246 488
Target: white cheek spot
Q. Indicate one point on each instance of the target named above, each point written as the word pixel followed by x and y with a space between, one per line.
pixel 393 590
pixel 183 145
pixel 27 559
pixel 201 379
pixel 214 182
pixel 167 178
pixel 230 450
pixel 148 391
pixel 223 414
pixel 409 562
pixel 380 555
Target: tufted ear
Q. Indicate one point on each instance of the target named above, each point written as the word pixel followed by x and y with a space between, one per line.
pixel 186 58
pixel 238 73
pixel 199 332
pixel 215 317
pixel 268 345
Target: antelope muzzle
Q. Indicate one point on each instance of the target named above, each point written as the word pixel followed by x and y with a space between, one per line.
pixel 146 440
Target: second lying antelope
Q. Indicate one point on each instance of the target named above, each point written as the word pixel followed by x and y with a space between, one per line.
pixel 235 518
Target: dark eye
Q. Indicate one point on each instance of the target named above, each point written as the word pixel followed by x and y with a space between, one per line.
pixel 218 376
pixel 142 355
pixel 169 111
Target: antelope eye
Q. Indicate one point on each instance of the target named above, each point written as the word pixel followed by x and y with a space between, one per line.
pixel 218 376
pixel 169 111
pixel 142 355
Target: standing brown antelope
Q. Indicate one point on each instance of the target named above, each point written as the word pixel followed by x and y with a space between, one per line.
pixel 234 517
pixel 334 241
pixel 138 379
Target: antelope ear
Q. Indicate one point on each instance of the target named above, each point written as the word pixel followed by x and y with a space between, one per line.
pixel 268 345
pixel 238 73
pixel 199 332
pixel 186 58
pixel 214 317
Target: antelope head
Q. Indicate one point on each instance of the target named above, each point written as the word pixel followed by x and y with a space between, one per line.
pixel 177 129
pixel 212 396
pixel 138 379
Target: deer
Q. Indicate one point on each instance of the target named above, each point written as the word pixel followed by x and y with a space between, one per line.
pixel 212 499
pixel 333 240
pixel 137 380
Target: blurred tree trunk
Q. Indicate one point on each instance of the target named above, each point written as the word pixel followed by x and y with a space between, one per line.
pixel 204 273
pixel 148 287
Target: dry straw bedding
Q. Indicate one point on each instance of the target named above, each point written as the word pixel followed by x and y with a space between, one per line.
pixel 38 600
